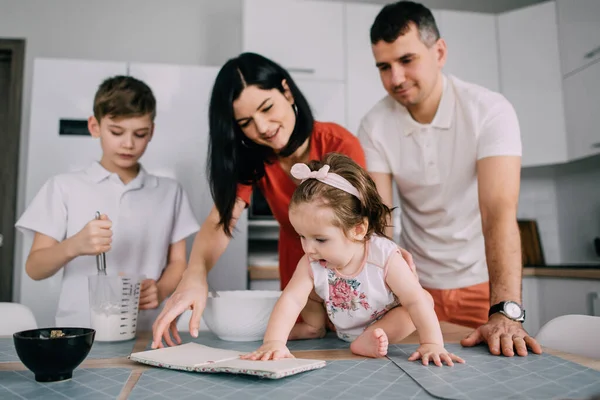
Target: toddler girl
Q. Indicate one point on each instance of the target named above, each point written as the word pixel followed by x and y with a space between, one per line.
pixel 371 295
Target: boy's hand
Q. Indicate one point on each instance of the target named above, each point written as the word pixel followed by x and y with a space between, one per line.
pixel 436 353
pixel 94 238
pixel 149 295
pixel 272 350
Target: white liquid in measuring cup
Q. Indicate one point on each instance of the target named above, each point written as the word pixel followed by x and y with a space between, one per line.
pixel 114 312
pixel 108 327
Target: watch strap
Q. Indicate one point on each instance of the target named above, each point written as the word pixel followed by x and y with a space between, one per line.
pixel 496 308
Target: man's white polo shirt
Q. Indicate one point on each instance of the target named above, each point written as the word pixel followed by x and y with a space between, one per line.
pixel 435 170
pixel 148 214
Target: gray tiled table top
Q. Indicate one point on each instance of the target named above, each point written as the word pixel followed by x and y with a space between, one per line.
pixel 345 379
pixel 88 384
pixel 7 350
pixel 329 342
pixel 485 376
pixel 100 350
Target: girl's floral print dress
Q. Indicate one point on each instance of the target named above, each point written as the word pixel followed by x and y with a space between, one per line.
pixel 355 302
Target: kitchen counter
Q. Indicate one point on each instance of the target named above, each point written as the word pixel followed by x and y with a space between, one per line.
pixel 452 334
pixel 575 271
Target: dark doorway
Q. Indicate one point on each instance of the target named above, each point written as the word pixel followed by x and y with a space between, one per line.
pixel 12 58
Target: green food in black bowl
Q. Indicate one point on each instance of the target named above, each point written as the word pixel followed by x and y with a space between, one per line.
pixel 53 353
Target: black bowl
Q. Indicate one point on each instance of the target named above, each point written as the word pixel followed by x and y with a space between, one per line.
pixel 53 353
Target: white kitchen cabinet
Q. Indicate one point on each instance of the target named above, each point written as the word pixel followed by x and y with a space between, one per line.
pixel 62 90
pixel 532 81
pixel 471 57
pixel 179 150
pixel 561 296
pixel 364 88
pixel 579 33
pixel 547 298
pixel 531 303
pixel 327 99
pixel 582 104
pixel 305 37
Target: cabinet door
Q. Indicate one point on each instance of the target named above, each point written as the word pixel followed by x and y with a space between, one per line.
pixel 531 303
pixel 364 86
pixel 179 150
pixel 471 57
pixel 582 102
pixel 327 99
pixel 532 81
pixel 62 90
pixel 305 37
pixel 579 29
pixel 562 296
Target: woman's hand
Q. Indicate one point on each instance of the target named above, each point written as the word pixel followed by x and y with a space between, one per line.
pixel 191 293
pixel 271 350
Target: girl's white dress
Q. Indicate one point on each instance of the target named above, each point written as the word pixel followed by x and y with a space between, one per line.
pixel 354 302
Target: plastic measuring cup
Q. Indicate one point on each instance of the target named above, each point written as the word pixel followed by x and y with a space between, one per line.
pixel 114 302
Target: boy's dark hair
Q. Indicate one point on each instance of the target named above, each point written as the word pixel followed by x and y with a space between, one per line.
pixel 231 159
pixel 349 211
pixel 124 96
pixel 395 20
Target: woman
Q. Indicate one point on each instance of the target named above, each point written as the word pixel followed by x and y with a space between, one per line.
pixel 260 125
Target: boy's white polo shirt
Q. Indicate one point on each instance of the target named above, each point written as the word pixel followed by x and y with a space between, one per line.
pixel 148 214
pixel 434 167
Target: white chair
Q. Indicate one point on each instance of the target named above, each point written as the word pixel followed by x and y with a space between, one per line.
pixel 575 334
pixel 15 317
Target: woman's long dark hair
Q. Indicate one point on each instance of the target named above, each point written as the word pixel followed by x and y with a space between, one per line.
pixel 232 157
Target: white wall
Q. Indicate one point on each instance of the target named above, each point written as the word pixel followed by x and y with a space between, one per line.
pixel 201 32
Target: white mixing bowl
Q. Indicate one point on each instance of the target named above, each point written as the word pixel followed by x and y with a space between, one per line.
pixel 240 315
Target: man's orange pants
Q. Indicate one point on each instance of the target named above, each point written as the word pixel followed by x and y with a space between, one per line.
pixel 468 306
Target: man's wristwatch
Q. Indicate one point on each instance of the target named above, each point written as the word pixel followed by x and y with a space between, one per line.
pixel 509 309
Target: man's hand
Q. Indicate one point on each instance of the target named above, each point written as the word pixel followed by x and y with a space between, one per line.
pixel 408 258
pixel 503 336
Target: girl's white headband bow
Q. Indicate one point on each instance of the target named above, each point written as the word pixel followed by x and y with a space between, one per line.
pixel 303 172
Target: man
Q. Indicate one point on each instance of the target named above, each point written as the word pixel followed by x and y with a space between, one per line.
pixel 454 151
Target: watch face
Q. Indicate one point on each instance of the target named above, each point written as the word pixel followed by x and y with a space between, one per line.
pixel 512 309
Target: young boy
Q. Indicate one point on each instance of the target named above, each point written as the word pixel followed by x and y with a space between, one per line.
pixel 145 219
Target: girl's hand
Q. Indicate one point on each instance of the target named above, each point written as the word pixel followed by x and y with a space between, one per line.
pixel 272 350
pixel 94 238
pixel 436 353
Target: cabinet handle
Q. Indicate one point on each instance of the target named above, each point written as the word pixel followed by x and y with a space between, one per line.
pixel 592 53
pixel 596 145
pixel 592 299
pixel 302 70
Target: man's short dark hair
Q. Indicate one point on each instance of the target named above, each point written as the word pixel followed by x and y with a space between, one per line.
pixel 395 20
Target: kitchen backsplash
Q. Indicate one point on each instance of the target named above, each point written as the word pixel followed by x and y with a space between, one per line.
pixel 565 202
pixel 538 201
pixel 578 201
